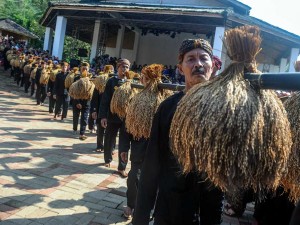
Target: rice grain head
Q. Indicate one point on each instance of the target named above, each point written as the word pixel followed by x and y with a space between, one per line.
pixel 82 89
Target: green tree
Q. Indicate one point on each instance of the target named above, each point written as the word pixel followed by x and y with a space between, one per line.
pixel 27 13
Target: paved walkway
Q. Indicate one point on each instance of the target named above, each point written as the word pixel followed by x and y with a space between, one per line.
pixel 48 176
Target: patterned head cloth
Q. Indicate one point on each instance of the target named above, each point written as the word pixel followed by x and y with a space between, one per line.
pixel 190 44
pixel 122 62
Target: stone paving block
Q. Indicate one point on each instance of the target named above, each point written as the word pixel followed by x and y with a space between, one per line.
pixel 19 220
pixel 102 220
pixel 26 211
pixel 7 222
pixel 113 211
pixel 85 219
pixel 98 207
pixel 109 204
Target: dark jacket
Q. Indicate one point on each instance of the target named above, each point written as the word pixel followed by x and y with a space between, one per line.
pixel 50 86
pixel 59 84
pixel 176 196
pixel 38 76
pixel 106 99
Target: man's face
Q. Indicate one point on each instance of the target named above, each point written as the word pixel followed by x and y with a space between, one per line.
pixel 196 67
pixel 122 69
pixel 64 68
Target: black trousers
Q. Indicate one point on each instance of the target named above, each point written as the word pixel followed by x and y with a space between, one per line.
pixel 138 150
pixel 41 93
pixel 100 135
pixel 83 113
pixel 26 82
pixel 22 79
pixel 52 102
pixel 275 209
pixel 32 87
pixel 132 183
pixel 109 141
pixel 17 74
pixel 91 122
pixel 210 208
pixel 62 101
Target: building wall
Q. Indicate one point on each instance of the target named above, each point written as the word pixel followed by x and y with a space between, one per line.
pixel 155 49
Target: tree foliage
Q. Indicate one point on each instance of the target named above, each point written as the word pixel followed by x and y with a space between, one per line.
pixel 27 13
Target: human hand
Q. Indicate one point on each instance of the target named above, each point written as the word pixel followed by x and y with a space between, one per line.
pixel 79 106
pixel 94 115
pixel 104 122
pixel 124 156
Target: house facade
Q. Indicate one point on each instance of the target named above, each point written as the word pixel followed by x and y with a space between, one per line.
pixel 150 31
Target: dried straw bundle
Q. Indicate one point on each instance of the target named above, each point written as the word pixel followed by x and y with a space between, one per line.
pixel 10 57
pixel 100 82
pixel 45 76
pixel 239 135
pixel 69 80
pixel 291 180
pixel 141 110
pixel 53 74
pixel 142 107
pixel 82 89
pixel 121 97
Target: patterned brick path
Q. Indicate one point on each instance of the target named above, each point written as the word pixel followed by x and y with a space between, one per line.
pixel 48 176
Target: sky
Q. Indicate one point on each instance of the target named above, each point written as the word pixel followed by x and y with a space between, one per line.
pixel 284 14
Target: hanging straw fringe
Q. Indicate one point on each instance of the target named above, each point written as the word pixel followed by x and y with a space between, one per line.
pixel 82 89
pixel 44 77
pixel 141 110
pixel 100 82
pixel 291 180
pixel 237 134
pixel 121 97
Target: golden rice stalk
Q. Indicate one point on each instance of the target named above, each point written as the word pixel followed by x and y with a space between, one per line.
pixel 69 80
pixel 82 89
pixel 16 62
pixel 10 57
pixel 121 97
pixel 291 180
pixel 100 82
pixel 53 74
pixel 141 110
pixel 44 76
pixel 236 133
pixel 33 73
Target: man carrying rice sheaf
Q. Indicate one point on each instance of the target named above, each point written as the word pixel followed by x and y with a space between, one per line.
pixel 112 122
pixel 179 199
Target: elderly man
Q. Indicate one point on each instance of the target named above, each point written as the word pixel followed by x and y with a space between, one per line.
pixel 112 122
pixel 178 198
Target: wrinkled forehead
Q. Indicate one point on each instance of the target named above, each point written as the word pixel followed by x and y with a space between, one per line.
pixel 196 53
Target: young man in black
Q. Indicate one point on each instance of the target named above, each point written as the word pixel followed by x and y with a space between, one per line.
pixel 111 122
pixel 60 93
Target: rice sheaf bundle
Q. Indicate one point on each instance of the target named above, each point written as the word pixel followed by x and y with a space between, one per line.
pixel 45 76
pixel 238 134
pixel 121 97
pixel 53 73
pixel 82 89
pixel 291 180
pixel 142 107
pixel 100 82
